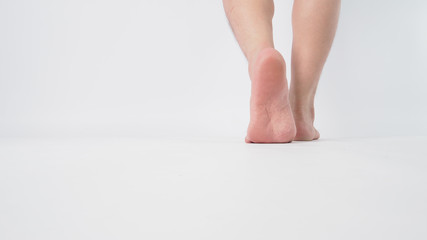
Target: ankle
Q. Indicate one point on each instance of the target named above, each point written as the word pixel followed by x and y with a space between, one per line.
pixel 255 54
pixel 303 113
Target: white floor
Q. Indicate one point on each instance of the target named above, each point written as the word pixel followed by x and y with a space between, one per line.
pixel 213 189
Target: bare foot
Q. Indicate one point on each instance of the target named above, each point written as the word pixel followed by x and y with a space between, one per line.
pixel 304 119
pixel 271 119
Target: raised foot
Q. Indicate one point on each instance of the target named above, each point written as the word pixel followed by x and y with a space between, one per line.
pixel 271 119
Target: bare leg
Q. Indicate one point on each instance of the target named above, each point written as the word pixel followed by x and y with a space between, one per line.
pixel 271 119
pixel 314 25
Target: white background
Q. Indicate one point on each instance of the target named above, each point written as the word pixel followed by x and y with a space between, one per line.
pixel 106 71
pixel 162 68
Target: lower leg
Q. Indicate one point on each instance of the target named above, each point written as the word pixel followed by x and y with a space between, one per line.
pixel 314 25
pixel 251 22
pixel 270 113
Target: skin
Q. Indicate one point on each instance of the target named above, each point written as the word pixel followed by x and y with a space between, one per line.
pixel 279 115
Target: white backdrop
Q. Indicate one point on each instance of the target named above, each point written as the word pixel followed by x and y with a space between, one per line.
pixel 172 68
